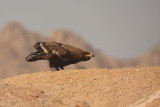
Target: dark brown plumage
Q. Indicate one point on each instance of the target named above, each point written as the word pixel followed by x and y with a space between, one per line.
pixel 58 54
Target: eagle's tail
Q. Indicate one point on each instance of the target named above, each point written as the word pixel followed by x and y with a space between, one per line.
pixel 36 56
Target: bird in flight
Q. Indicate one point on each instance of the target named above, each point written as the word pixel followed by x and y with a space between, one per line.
pixel 58 54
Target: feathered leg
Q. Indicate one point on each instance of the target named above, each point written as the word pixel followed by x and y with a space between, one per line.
pixel 62 68
pixel 56 68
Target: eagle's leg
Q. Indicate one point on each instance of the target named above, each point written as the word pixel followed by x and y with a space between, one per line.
pixel 62 68
pixel 52 65
pixel 56 68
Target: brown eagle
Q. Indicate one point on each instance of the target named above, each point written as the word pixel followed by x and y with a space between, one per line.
pixel 58 54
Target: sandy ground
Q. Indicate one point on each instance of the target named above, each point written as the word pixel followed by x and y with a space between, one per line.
pixel 81 88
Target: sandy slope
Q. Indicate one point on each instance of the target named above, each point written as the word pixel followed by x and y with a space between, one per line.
pixel 93 87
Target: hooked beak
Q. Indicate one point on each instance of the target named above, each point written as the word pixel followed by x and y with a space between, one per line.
pixel 90 55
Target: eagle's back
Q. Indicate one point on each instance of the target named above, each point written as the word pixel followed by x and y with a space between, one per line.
pixel 74 52
pixel 56 48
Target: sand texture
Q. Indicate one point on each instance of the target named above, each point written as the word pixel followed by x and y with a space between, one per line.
pixel 82 88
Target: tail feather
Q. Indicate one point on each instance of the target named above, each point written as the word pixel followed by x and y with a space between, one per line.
pixel 36 56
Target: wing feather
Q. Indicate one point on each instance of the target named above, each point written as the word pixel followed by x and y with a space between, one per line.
pixel 55 48
pixel 52 48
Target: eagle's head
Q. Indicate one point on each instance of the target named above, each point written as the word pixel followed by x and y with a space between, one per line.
pixel 86 56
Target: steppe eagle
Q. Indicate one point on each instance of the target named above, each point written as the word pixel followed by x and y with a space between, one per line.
pixel 58 54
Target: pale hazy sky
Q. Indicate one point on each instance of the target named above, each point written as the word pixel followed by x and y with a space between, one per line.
pixel 120 28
